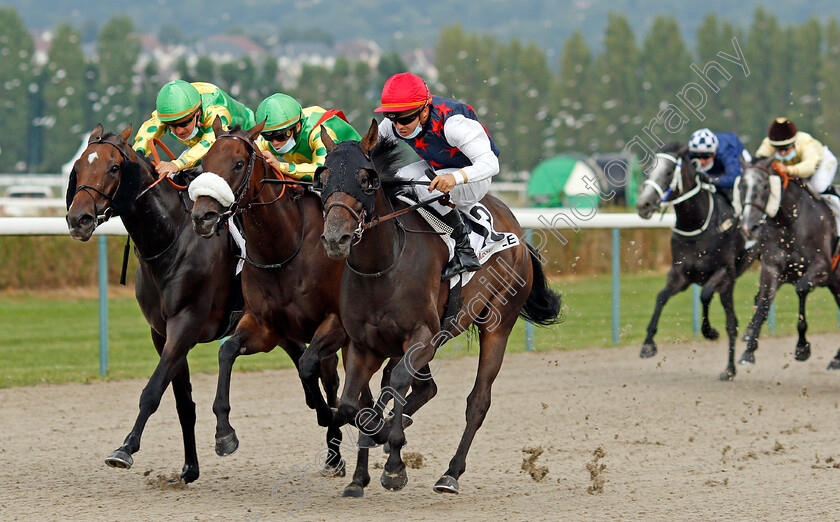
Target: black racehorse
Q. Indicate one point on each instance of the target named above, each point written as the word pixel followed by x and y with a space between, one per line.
pixel 393 300
pixel 185 298
pixel 794 230
pixel 706 247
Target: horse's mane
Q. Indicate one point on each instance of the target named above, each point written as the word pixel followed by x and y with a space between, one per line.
pixel 387 159
pixel 762 161
pixel 676 148
pixel 117 139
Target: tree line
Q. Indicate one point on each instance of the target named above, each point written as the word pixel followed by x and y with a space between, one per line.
pixel 595 101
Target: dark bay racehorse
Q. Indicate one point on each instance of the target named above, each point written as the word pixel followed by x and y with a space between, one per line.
pixel 794 230
pixel 392 301
pixel 185 298
pixel 706 248
pixel 289 284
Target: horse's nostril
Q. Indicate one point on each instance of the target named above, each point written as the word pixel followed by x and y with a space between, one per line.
pixel 85 221
pixel 209 217
pixel 344 239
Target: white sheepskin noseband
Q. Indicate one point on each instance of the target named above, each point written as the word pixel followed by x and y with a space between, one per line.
pixel 212 185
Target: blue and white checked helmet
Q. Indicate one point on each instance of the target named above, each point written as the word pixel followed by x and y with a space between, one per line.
pixel 703 141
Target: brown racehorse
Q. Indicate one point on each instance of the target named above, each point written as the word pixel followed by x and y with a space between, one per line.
pixel 289 284
pixel 392 300
pixel 185 298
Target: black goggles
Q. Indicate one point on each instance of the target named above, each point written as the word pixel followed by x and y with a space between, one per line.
pixel 703 155
pixel 182 124
pixel 407 119
pixel 279 135
pixel 783 147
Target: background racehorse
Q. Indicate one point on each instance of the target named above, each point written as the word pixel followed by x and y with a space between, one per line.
pixel 706 248
pixel 392 301
pixel 289 284
pixel 794 230
pixel 185 298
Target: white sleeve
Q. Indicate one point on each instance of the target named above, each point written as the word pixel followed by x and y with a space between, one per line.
pixel 469 137
pixel 386 129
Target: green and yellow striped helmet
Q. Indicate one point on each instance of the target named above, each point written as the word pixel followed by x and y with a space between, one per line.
pixel 280 111
pixel 176 100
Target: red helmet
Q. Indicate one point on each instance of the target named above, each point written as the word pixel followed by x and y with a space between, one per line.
pixel 403 92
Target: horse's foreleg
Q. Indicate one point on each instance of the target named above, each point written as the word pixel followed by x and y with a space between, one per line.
pixel 186 416
pixel 731 329
pixel 413 366
pixel 676 282
pixel 249 337
pixel 706 296
pixel 361 475
pixel 768 284
pixel 328 339
pixel 803 347
pixel 173 351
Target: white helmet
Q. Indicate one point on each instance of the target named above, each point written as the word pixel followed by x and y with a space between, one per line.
pixel 703 141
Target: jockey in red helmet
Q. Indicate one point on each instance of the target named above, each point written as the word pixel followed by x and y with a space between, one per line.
pixel 457 154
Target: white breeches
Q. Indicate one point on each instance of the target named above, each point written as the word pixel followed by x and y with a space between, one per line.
pixel 462 196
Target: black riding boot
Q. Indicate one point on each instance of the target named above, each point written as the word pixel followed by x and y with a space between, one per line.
pixel 464 259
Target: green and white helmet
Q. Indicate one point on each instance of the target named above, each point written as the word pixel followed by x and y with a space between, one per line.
pixel 176 100
pixel 280 111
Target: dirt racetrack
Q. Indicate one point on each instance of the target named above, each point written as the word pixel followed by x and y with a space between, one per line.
pixel 608 435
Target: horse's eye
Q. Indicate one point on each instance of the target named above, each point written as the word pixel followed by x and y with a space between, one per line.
pixel 239 164
pixel 114 168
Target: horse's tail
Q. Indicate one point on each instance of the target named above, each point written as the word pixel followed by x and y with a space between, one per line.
pixel 543 306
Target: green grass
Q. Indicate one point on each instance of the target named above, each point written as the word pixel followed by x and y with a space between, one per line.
pixel 52 339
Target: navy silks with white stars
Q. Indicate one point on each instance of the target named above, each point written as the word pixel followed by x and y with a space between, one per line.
pixel 432 146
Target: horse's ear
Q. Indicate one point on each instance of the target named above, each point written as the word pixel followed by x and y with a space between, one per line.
pixel 97 131
pixel 254 132
pixel 329 144
pixel 126 133
pixel 370 138
pixel 217 126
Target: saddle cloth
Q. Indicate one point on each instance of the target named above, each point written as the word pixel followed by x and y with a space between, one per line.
pixel 484 238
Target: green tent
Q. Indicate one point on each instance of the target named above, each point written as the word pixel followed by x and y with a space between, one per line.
pixel 555 181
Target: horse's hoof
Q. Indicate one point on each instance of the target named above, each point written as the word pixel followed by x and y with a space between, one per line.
pixel 176 481
pixel 394 481
pixel 189 473
pixel 711 334
pixel 747 359
pixel 803 352
pixel 366 441
pixel 648 350
pixel 335 471
pixel 120 459
pixel 727 375
pixel 446 484
pixel 353 490
pixel 227 445
pixel 834 364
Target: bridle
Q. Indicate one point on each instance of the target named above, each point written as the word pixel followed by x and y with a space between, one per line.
pixel 676 186
pixel 88 189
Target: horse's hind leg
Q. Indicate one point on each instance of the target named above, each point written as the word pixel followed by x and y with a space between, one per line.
pixel 478 402
pixel 731 330
pixel 834 288
pixel 249 337
pixel 803 347
pixel 768 284
pixel 676 283
pixel 172 357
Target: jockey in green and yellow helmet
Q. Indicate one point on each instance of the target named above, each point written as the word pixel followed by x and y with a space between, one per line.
pixel 187 111
pixel 291 138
